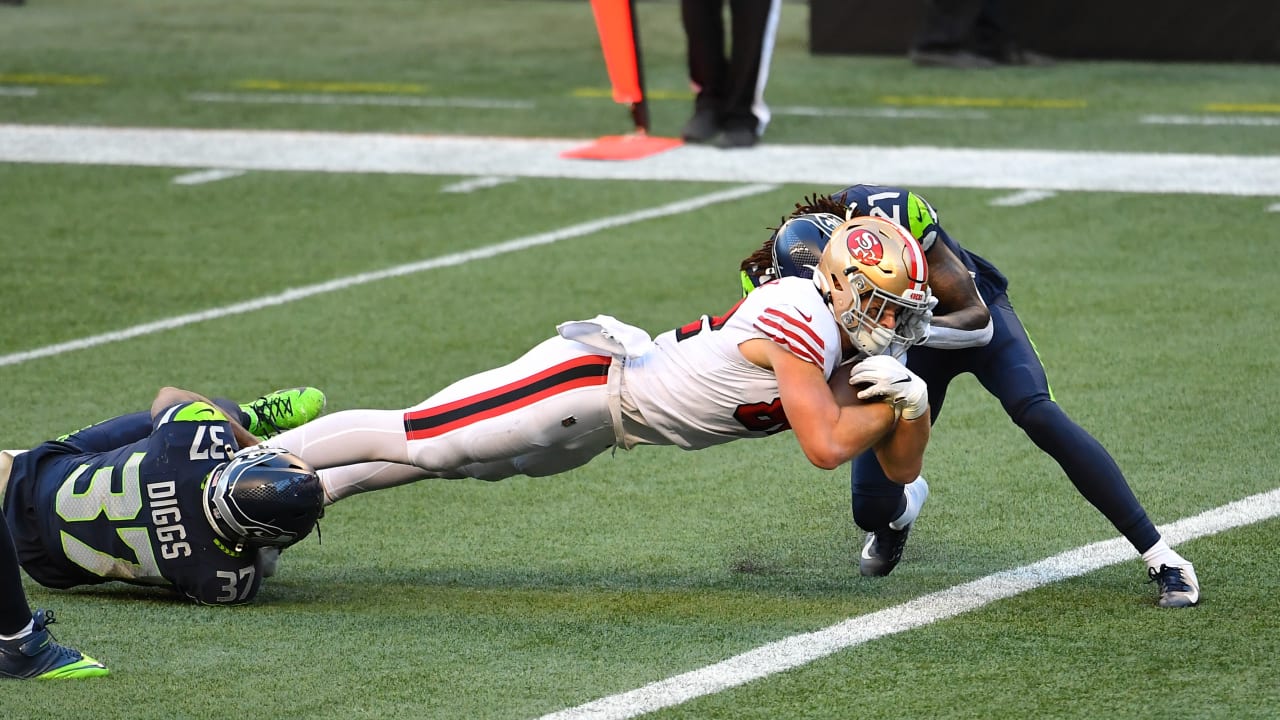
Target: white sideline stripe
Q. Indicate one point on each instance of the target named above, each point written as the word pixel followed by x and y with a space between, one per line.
pixel 385 100
pixel 343 283
pixel 1273 208
pixel 820 166
pixel 479 183
pixel 1263 121
pixel 206 176
pixel 18 91
pixel 801 649
pixel 887 113
pixel 1026 197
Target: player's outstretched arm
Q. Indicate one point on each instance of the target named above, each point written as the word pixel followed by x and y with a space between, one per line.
pixel 830 433
pixel 961 318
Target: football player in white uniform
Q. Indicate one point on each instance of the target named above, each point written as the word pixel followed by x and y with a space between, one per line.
pixel 812 356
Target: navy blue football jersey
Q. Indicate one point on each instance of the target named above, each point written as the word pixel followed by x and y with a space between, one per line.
pixel 124 500
pixel 917 215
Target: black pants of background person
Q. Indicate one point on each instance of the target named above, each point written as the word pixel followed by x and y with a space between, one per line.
pixel 969 33
pixel 729 108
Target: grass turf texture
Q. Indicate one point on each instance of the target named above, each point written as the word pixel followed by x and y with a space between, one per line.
pixel 463 599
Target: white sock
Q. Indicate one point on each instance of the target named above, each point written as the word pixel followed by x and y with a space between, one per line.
pixel 1161 554
pixel 341 482
pixel 916 492
pixel 31 625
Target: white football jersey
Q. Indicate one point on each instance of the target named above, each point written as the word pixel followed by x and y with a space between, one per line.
pixel 694 386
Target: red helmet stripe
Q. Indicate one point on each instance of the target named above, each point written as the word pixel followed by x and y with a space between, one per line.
pixel 917 268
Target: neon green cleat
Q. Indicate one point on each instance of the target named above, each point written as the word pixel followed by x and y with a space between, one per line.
pixel 282 410
pixel 39 656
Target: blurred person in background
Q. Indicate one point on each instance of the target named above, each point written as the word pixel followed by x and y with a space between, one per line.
pixel 969 34
pixel 729 107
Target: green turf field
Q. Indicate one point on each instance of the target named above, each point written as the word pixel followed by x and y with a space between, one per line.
pixel 1154 313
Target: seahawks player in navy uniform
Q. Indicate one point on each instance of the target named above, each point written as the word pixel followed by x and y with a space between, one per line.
pixel 163 498
pixel 973 329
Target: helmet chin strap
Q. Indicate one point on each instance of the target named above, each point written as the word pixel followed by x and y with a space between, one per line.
pixel 870 341
pixel 875 341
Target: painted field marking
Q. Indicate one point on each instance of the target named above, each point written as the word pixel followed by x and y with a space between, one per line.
pixel 1210 120
pixel 986 102
pixel 460 258
pixel 1244 107
pixel 1024 197
pixel 805 648
pixel 893 113
pixel 817 166
pixel 384 88
pixel 18 91
pixel 51 79
pixel 206 176
pixel 479 183
pixel 384 100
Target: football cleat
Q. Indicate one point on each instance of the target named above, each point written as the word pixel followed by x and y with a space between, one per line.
pixel 1178 585
pixel 282 410
pixel 38 656
pixel 882 551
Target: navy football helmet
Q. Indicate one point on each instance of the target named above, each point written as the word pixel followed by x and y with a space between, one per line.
pixel 264 497
pixel 798 244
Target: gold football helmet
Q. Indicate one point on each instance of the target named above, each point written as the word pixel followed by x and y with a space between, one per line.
pixel 874 278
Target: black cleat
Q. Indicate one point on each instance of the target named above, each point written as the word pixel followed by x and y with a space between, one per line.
pixel 702 127
pixel 736 138
pixel 882 551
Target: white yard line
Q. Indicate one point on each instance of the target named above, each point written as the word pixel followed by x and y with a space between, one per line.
pixel 479 183
pixel 1238 120
pixel 343 283
pixel 206 176
pixel 1025 197
pixel 801 649
pixel 892 113
pixel 819 166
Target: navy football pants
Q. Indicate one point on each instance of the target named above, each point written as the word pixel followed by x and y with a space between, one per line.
pixel 1009 368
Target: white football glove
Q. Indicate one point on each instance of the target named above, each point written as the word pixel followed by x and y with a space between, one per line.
pixel 917 325
pixel 891 381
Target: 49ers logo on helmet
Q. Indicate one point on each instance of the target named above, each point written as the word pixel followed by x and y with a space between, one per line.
pixel 865 247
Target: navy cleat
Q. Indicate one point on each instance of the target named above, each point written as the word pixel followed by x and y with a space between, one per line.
pixel 39 656
pixel 1178 585
pixel 282 410
pixel 882 551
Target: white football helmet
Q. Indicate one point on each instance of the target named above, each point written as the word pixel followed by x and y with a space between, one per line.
pixel 873 269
